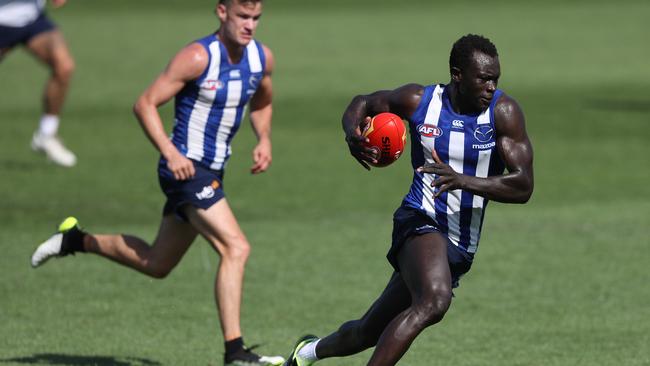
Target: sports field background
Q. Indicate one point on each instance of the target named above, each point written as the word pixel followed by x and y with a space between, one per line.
pixel 562 280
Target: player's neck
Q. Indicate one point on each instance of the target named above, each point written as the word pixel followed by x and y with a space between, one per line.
pixel 459 104
pixel 235 50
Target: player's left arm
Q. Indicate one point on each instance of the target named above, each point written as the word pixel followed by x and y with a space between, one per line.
pixel 513 144
pixel 261 113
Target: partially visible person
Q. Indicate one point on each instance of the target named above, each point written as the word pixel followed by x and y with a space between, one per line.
pixel 463 136
pixel 24 23
pixel 212 80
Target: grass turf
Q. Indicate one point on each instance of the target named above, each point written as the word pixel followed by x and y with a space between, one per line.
pixel 559 281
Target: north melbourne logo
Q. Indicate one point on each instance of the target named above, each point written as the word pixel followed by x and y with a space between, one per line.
pixel 253 83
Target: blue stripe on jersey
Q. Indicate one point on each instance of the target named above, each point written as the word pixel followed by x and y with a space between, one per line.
pixel 183 109
pixel 417 160
pixel 421 110
pixel 417 155
pixel 467 198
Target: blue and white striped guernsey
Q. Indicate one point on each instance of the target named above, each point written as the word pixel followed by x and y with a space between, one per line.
pixel 209 110
pixel 468 144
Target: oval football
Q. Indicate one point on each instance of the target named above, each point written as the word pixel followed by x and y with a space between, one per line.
pixel 387 137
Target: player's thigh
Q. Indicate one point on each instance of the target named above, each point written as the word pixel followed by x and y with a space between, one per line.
pixel 172 241
pixel 3 52
pixel 393 300
pixel 218 225
pixel 51 48
pixel 425 267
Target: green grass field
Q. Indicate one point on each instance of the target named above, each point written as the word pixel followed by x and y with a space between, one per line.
pixel 562 280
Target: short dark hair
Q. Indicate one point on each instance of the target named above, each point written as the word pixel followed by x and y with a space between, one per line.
pixel 464 47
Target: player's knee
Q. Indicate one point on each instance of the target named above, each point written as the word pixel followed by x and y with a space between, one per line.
pixel 237 249
pixel 432 308
pixel 64 69
pixel 159 270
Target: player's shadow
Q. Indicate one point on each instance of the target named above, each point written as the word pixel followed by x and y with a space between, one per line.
pixel 74 360
pixel 622 105
pixel 15 165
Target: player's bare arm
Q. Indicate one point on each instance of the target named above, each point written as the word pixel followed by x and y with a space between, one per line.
pixel 402 101
pixel 261 114
pixel 516 186
pixel 187 65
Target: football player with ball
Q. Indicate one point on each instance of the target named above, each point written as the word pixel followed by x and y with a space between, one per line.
pixel 468 146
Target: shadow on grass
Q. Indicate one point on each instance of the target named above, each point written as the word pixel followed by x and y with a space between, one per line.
pixel 16 165
pixel 639 106
pixel 59 359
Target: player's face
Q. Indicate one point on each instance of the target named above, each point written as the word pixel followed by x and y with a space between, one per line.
pixel 239 21
pixel 478 82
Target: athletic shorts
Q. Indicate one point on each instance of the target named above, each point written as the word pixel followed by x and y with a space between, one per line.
pixel 12 36
pixel 202 191
pixel 408 222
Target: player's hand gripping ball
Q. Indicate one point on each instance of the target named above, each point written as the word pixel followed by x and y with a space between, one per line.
pixel 387 137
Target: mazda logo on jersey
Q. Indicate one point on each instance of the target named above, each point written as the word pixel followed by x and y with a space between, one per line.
pixel 484 133
pixel 428 130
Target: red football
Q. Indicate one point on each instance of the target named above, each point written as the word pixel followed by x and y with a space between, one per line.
pixel 387 136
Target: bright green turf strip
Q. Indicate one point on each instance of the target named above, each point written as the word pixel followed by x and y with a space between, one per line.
pixel 560 281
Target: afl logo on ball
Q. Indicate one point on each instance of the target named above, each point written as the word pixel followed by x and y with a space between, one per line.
pixel 427 130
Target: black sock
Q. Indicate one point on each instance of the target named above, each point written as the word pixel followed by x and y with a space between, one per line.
pixel 74 240
pixel 234 345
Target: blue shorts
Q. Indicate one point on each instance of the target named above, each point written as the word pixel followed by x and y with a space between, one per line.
pixel 408 222
pixel 12 36
pixel 202 191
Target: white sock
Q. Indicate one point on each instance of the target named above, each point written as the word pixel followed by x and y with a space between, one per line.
pixel 308 352
pixel 49 125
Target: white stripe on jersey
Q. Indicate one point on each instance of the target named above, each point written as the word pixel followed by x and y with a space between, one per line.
pixel 482 168
pixel 254 60
pixel 203 106
pixel 456 161
pixel 432 116
pixel 226 124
